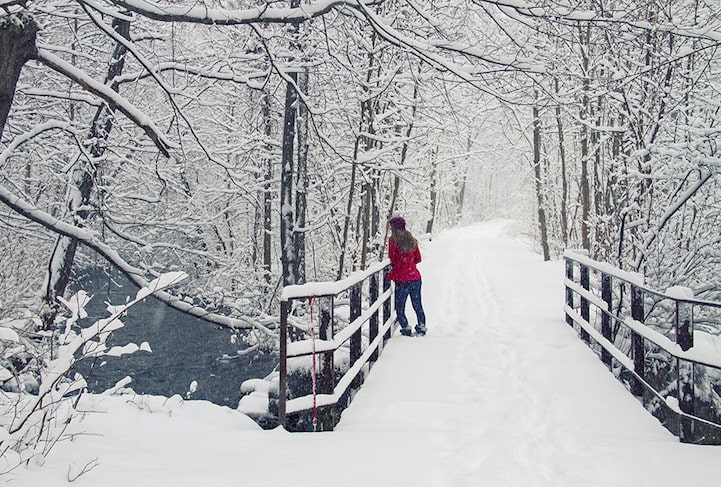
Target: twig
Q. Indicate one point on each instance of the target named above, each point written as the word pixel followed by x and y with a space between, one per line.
pixel 86 468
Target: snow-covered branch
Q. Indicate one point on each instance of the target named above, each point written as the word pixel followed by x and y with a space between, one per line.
pixel 22 138
pixel 250 79
pixel 201 14
pixel 7 4
pixel 110 96
pixel 135 275
pixel 440 54
pixel 670 211
pixel 572 13
pixel 160 82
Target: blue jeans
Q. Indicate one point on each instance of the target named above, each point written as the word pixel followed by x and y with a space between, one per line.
pixel 412 289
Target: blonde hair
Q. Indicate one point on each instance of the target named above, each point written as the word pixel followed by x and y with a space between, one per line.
pixel 404 239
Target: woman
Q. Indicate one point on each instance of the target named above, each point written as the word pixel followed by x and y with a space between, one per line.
pixel 404 255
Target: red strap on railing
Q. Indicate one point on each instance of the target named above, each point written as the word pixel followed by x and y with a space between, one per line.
pixel 313 371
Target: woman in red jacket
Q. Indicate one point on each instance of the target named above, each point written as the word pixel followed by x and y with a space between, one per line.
pixel 404 255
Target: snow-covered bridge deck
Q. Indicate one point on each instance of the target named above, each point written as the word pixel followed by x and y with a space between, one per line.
pixel 501 391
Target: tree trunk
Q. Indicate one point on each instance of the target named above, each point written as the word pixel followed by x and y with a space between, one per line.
pixel 366 219
pixel 404 155
pixel 434 192
pixel 585 182
pixel 564 178
pixel 301 192
pixel 365 118
pixel 267 178
pixel 367 200
pixel 17 46
pixel 287 244
pixel 81 186
pixel 287 168
pixel 349 208
pixel 539 183
pixel 462 184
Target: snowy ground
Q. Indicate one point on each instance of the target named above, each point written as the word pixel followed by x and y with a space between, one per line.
pixel 500 393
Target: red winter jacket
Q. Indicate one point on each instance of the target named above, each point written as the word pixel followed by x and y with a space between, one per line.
pixel 404 263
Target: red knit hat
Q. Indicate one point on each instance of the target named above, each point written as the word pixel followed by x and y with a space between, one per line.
pixel 398 222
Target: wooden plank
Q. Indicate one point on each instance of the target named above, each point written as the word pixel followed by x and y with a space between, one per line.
pixel 373 322
pixel 569 288
pixel 356 338
pixel 283 365
pixel 637 346
pixel 326 379
pixel 606 296
pixel 585 308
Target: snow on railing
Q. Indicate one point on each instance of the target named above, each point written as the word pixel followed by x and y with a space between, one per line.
pixel 359 342
pixel 647 338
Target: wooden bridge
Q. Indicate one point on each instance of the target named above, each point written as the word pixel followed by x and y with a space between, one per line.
pixel 646 338
pixel 333 333
pixel 340 356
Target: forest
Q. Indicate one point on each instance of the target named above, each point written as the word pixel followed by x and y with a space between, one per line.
pixel 255 144
pixel 236 147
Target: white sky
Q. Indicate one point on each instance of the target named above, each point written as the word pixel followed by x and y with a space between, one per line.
pixel 500 393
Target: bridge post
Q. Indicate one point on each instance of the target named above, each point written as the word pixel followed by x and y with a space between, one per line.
pixel 607 297
pixel 637 313
pixel 283 365
pixel 326 381
pixel 569 291
pixel 387 304
pixel 355 339
pixel 585 311
pixel 684 325
pixel 373 322
pixel 685 371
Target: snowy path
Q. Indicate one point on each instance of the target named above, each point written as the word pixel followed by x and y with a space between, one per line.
pixel 500 393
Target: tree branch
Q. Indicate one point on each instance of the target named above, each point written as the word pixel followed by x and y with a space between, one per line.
pixel 580 14
pixel 200 14
pixel 670 211
pixel 110 96
pixel 135 275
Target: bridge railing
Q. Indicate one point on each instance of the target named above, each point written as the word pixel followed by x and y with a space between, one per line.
pixel 663 346
pixel 335 347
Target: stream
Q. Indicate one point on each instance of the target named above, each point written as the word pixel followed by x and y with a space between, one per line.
pixel 184 348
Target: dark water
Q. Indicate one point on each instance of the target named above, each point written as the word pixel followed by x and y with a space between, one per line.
pixel 184 348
